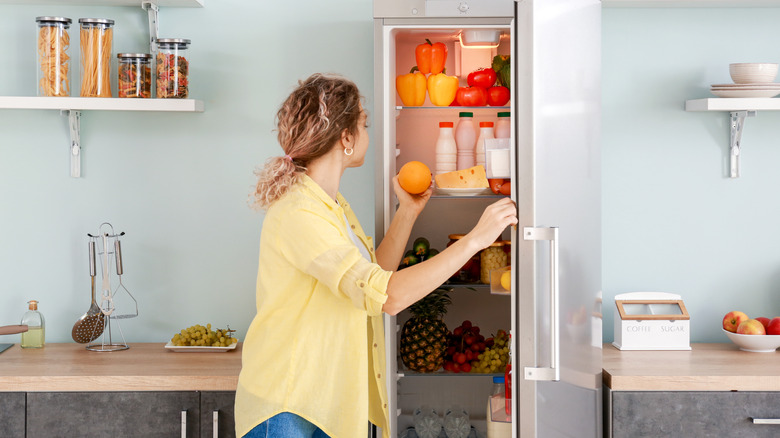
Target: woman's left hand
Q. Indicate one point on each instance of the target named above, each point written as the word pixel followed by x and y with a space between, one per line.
pixel 414 203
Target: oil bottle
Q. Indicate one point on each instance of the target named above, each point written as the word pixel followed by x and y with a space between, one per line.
pixel 35 336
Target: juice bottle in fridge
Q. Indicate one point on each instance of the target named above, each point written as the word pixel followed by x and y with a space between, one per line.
pixel 503 124
pixel 485 132
pixel 446 149
pixel 466 139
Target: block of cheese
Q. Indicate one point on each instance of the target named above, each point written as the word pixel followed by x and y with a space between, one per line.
pixel 471 178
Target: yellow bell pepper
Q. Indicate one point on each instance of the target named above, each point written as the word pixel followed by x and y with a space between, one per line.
pixel 442 89
pixel 411 88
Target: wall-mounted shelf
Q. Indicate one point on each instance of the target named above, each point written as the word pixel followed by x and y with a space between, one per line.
pixel 100 104
pixel 72 106
pixel 690 3
pixel 161 3
pixel 739 109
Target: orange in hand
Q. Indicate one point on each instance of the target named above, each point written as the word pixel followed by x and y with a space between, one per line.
pixel 414 177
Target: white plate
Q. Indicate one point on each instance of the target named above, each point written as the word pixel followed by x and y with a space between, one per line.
pixel 198 349
pixel 745 93
pixel 765 85
pixel 466 192
pixel 755 343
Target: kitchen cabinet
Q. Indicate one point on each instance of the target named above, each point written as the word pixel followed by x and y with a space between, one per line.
pixel 12 414
pixel 690 413
pixel 113 414
pixel 138 392
pixel 72 106
pixel 703 392
pixel 216 414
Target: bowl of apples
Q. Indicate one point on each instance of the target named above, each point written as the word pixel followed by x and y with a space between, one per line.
pixel 756 335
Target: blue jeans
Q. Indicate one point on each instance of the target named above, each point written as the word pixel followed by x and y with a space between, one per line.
pixel 286 425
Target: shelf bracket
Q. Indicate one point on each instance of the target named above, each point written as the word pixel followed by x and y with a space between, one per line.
pixel 152 10
pixel 74 147
pixel 737 124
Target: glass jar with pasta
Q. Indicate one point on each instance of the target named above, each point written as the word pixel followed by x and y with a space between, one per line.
pixel 134 75
pixel 172 68
pixel 53 60
pixel 493 257
pixel 96 39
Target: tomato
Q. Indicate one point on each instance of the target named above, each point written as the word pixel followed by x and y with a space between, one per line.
pixel 483 77
pixel 495 185
pixel 497 96
pixel 471 96
pixel 506 188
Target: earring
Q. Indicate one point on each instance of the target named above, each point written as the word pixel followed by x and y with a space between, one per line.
pixel 348 151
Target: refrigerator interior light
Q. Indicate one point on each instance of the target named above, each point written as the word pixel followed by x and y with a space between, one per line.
pixel 480 38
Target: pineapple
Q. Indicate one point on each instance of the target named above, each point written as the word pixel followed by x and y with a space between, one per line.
pixel 424 335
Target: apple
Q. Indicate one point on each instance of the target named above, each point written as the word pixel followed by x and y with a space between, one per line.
pixel 763 320
pixel 751 327
pixel 774 326
pixel 733 319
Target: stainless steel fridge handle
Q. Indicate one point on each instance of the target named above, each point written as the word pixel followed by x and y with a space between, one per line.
pixel 184 423
pixel 766 420
pixel 553 372
pixel 215 427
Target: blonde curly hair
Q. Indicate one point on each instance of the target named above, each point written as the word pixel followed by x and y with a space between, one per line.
pixel 309 124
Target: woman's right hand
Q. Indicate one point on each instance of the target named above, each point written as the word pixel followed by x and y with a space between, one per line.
pixel 494 220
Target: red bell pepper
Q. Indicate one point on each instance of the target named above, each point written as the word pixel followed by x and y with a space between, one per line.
pixel 430 57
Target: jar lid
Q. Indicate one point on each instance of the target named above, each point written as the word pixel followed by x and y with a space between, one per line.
pixel 455 236
pixel 466 114
pixel 134 55
pixel 96 21
pixel 504 114
pixel 53 20
pixel 172 42
pixel 499 243
pixel 485 124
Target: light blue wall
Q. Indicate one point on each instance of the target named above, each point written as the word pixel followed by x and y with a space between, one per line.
pixel 672 220
pixel 177 184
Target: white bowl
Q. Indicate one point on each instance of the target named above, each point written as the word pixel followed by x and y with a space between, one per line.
pixel 753 72
pixel 755 343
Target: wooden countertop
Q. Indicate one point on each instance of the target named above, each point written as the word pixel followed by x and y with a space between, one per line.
pixel 144 367
pixel 707 367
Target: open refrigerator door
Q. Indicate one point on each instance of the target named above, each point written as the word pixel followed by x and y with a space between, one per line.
pixel 484 310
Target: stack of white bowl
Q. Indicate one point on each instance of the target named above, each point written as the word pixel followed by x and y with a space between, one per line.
pixel 751 79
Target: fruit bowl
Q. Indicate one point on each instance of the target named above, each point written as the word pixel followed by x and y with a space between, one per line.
pixel 755 343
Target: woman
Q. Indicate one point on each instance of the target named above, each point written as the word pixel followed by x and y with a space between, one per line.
pixel 313 357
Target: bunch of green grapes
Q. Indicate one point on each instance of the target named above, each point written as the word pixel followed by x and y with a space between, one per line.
pixel 495 357
pixel 198 335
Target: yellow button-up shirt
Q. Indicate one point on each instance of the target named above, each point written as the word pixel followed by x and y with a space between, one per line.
pixel 316 346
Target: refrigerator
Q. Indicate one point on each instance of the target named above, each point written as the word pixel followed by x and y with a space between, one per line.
pixel 553 309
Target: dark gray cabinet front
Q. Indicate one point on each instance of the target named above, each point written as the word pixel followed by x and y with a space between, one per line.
pixel 694 414
pixel 219 403
pixel 12 414
pixel 113 414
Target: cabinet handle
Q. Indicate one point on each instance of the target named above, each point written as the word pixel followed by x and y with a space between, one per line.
pixel 553 373
pixel 215 416
pixel 766 420
pixel 184 423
